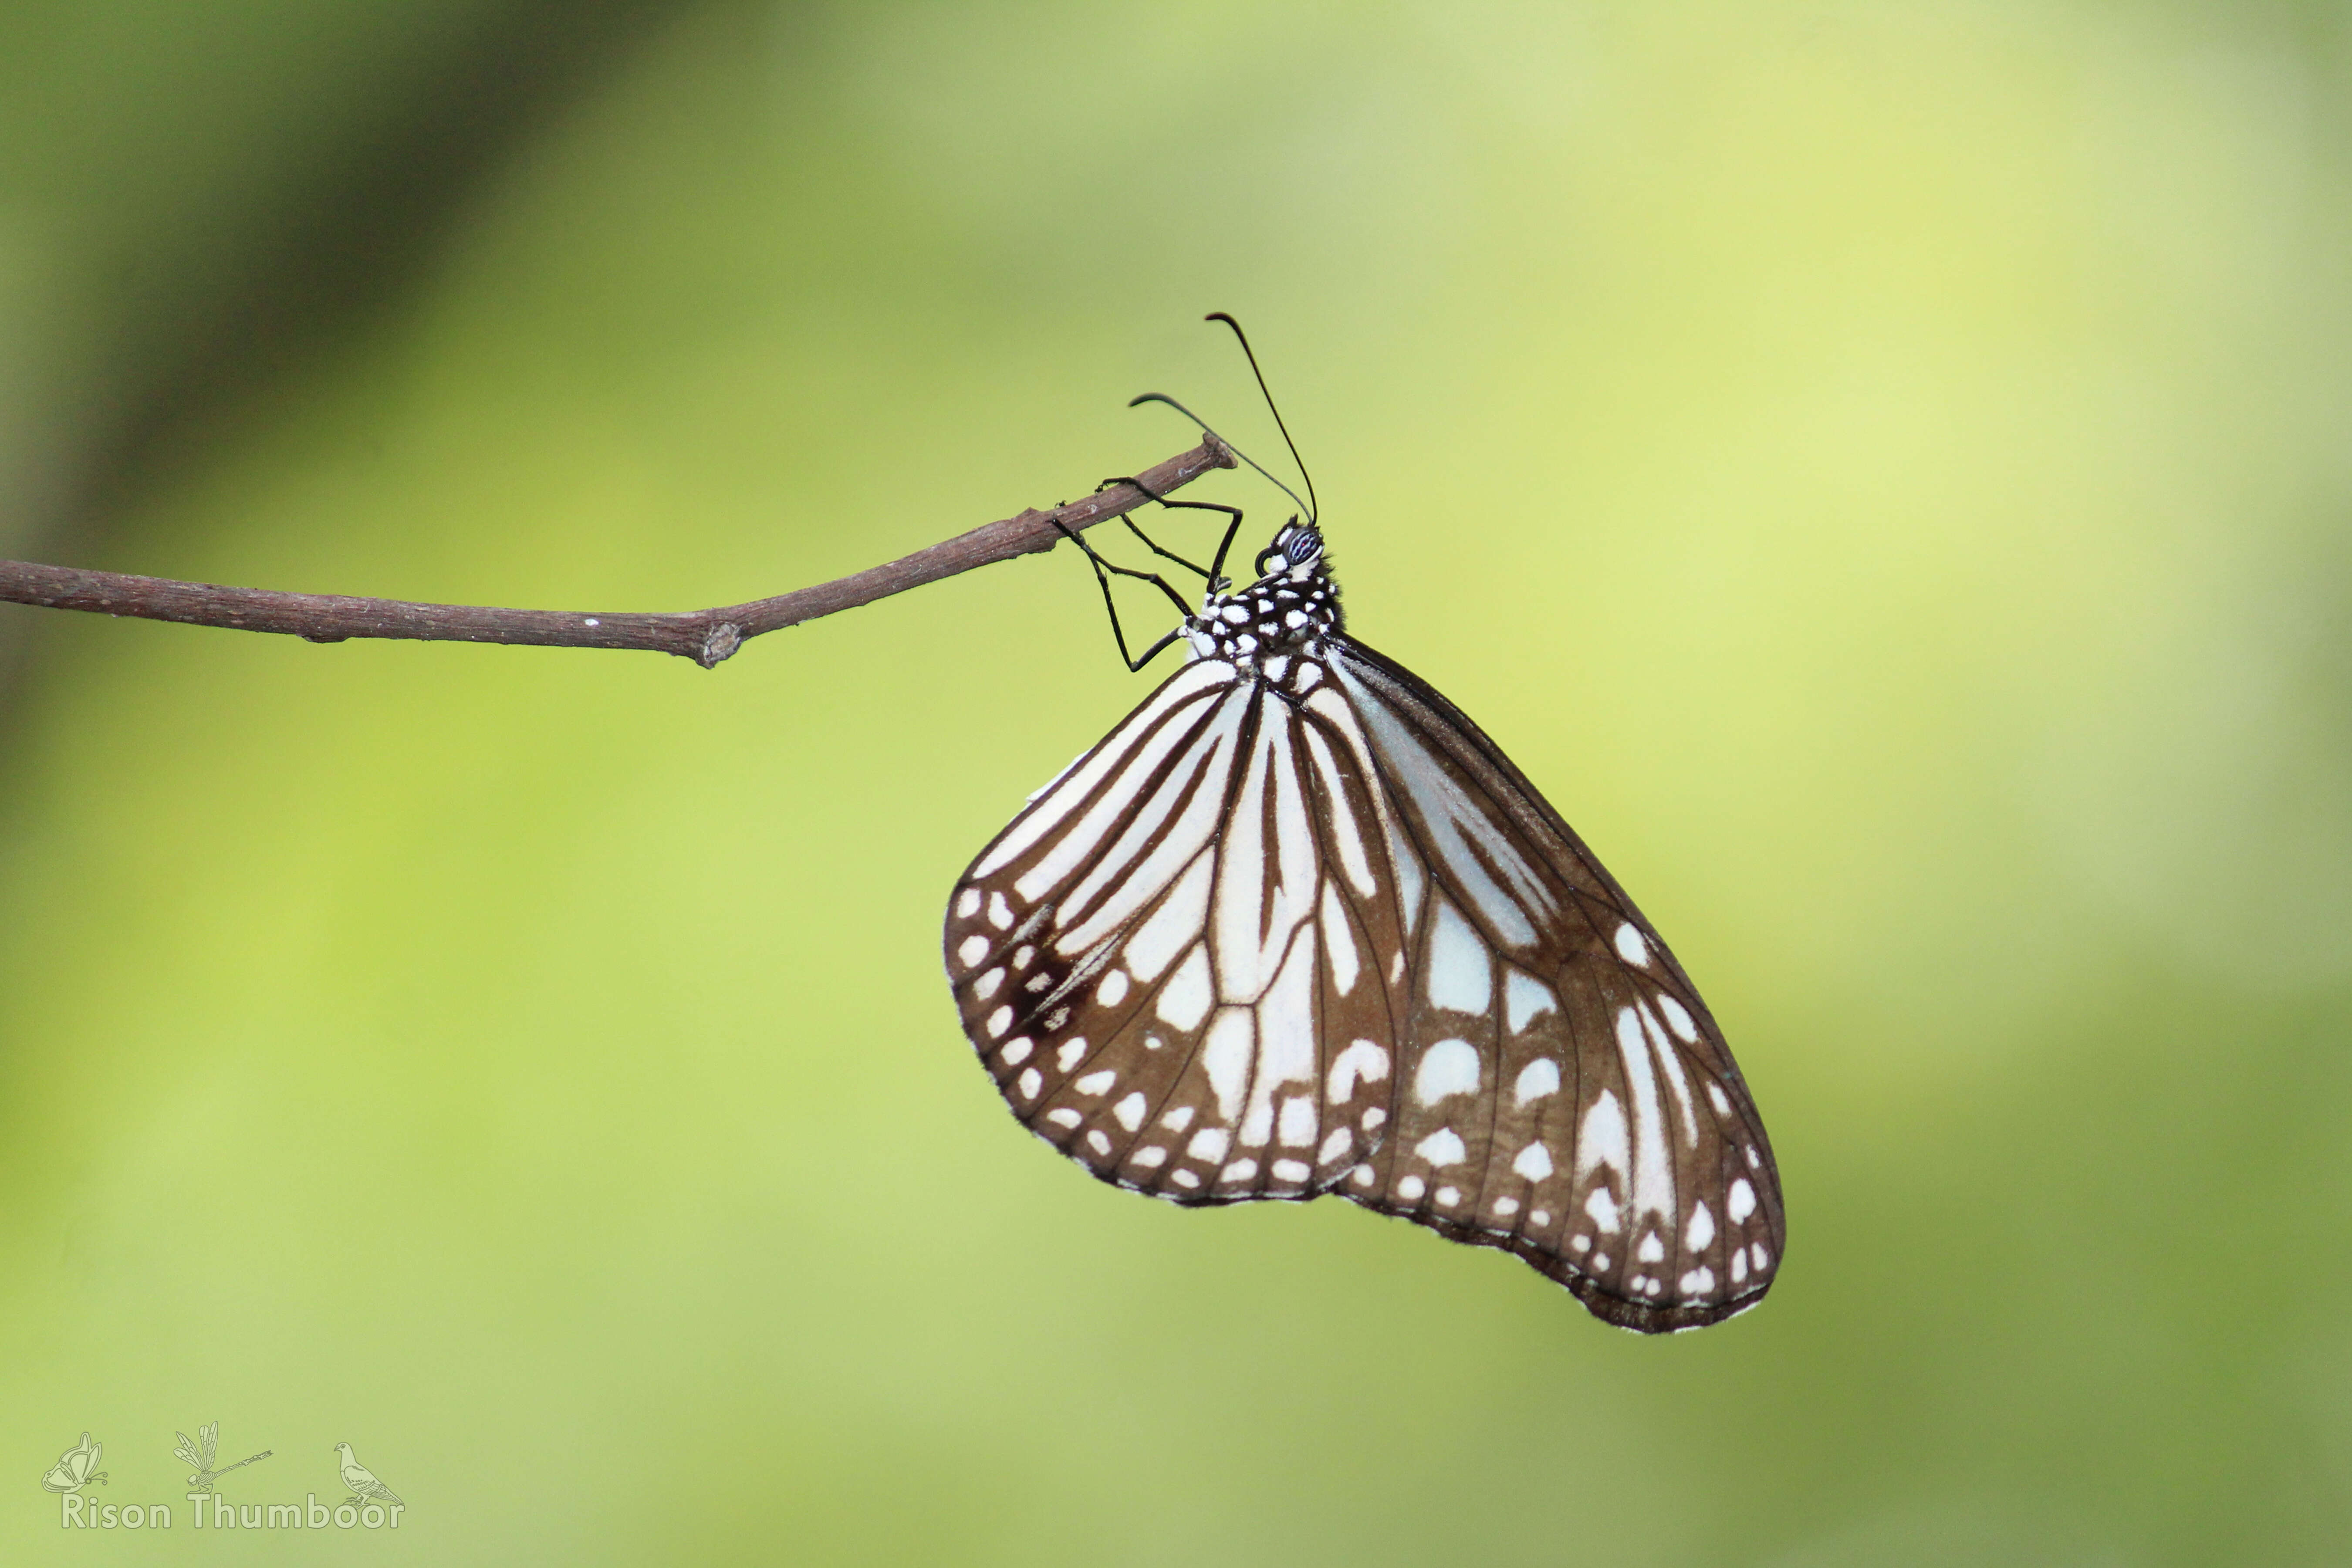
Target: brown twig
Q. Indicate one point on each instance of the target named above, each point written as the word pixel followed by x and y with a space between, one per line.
pixel 705 637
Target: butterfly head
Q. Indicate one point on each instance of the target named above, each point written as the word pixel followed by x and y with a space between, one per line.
pixel 1296 553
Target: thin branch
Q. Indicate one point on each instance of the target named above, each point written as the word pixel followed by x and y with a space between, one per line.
pixel 705 637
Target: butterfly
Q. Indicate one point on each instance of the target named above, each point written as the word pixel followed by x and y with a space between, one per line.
pixel 76 1468
pixel 1297 927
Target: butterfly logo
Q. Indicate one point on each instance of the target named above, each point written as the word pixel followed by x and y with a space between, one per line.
pixel 1297 927
pixel 76 1468
pixel 199 1453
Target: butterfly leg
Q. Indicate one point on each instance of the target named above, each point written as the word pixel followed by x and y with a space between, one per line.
pixel 1213 574
pixel 1102 569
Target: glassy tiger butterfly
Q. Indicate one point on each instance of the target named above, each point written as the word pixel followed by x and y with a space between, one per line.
pixel 1297 928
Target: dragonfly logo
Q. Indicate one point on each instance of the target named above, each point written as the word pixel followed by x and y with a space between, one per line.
pixel 200 1454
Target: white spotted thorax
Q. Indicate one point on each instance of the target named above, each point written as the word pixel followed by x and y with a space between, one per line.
pixel 1297 927
pixel 1275 628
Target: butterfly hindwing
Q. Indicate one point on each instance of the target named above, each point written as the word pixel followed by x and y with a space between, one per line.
pixel 1564 1095
pixel 1143 959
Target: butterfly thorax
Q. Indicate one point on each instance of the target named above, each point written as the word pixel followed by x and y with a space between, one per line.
pixel 1275 628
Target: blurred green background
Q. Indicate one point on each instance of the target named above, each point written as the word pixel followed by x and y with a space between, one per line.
pixel 1882 467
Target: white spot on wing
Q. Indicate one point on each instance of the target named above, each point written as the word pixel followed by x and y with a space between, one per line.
pixel 1226 1055
pixel 1537 1079
pixel 1443 1147
pixel 1184 1002
pixel 967 903
pixel 1291 1171
pixel 1335 1148
pixel 1602 1140
pixel 1701 1234
pixel 1631 947
pixel 1602 1207
pixel 971 950
pixel 999 913
pixel 1113 990
pixel 1209 1145
pixel 1678 1018
pixel 986 987
pixel 1411 1189
pixel 1408 875
pixel 1131 1111
pixel 1449 1068
pixel 1339 943
pixel 1525 999
pixel 1177 1119
pixel 1362 1060
pixel 1740 1202
pixel 1533 1162
pixel 1096 1083
pixel 1297 1123
pixel 1460 976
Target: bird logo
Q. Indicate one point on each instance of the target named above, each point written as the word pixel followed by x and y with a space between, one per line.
pixel 200 1454
pixel 76 1468
pixel 361 1480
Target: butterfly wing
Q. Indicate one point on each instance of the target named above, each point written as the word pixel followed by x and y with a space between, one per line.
pixel 1166 961
pixel 1562 1092
pixel 1270 943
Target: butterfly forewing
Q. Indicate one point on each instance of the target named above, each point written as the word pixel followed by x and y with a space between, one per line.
pixel 1297 926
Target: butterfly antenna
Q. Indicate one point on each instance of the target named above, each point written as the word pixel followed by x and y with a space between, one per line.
pixel 1267 394
pixel 1162 397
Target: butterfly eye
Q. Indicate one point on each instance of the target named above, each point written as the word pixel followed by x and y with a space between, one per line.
pixel 1305 546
